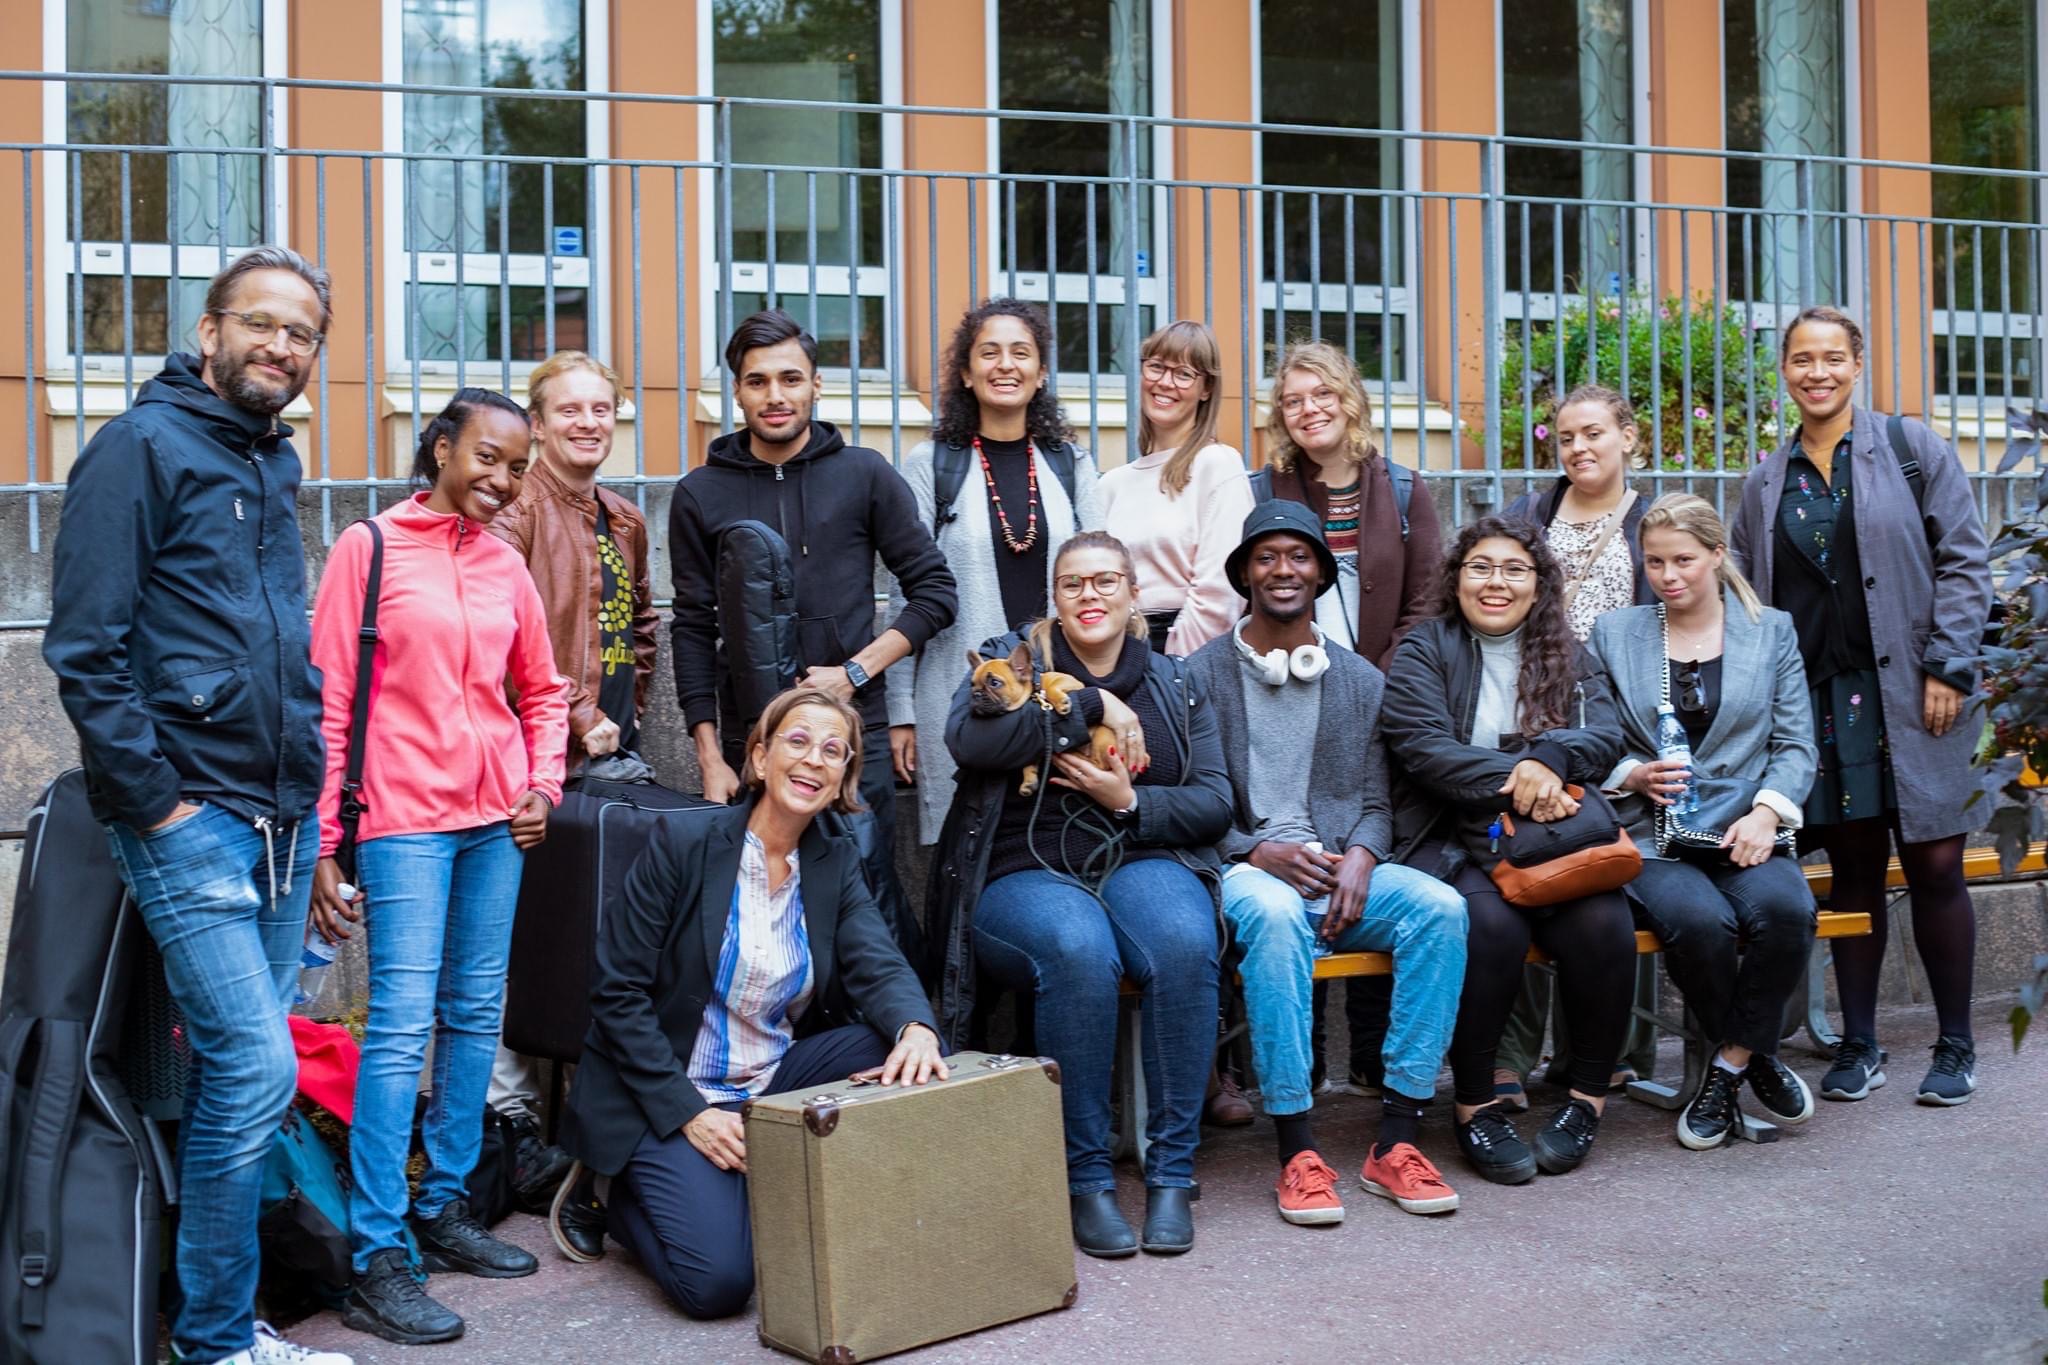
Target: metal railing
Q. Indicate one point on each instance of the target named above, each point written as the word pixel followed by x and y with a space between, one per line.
pixel 1468 305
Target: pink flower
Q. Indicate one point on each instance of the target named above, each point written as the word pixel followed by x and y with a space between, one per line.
pixel 1542 433
pixel 1701 413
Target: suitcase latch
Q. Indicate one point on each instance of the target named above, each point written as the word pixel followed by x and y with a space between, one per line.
pixel 1003 1061
pixel 828 1097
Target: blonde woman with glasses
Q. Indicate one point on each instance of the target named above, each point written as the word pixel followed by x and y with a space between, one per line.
pixel 1180 503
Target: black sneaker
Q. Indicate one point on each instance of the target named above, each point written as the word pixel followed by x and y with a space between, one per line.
pixel 1567 1138
pixel 1779 1089
pixel 1710 1119
pixel 576 1219
pixel 1858 1070
pixel 386 1301
pixel 453 1240
pixel 537 1168
pixel 1954 1073
pixel 1493 1148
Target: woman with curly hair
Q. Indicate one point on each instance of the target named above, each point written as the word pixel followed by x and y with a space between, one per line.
pixel 1019 488
pixel 1493 704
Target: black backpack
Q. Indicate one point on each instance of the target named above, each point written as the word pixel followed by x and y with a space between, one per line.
pixel 86 1177
pixel 757 619
pixel 949 472
pixel 1401 474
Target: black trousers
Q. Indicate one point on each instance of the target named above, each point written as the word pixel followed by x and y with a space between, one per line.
pixel 875 831
pixel 1736 940
pixel 686 1220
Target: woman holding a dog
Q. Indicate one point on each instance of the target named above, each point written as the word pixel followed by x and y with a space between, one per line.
pixel 1067 880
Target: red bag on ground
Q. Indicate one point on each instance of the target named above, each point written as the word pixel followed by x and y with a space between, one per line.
pixel 328 1058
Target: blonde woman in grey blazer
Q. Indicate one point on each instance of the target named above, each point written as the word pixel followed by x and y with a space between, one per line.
pixel 1864 528
pixel 1736 918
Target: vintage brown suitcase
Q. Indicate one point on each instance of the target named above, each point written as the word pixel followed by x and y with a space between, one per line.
pixel 889 1218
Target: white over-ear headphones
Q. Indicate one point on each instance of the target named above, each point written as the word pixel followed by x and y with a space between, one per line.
pixel 1276 666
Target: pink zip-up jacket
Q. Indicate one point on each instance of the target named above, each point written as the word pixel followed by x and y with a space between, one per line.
pixel 458 618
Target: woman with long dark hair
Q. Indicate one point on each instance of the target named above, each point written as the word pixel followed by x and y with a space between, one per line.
pixel 458 781
pixel 1491 705
pixel 1864 529
pixel 1013 486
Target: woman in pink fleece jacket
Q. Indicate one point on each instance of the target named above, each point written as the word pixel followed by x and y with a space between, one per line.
pixel 457 782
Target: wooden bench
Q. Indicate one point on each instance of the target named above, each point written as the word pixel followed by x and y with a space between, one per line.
pixel 1131 1140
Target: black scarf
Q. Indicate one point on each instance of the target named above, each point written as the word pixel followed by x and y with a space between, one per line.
pixel 1122 680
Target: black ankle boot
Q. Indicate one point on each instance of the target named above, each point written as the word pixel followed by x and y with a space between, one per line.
pixel 1169 1220
pixel 387 1301
pixel 1099 1226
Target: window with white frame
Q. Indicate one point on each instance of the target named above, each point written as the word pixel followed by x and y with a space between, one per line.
pixel 1054 237
pixel 497 212
pixel 808 238
pixel 1333 245
pixel 156 226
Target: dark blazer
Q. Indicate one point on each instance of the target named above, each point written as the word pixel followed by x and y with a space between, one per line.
pixel 657 956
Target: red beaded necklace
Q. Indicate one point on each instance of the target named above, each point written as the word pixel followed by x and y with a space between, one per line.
pixel 1030 497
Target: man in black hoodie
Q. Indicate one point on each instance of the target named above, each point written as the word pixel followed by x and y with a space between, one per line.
pixel 838 507
pixel 179 638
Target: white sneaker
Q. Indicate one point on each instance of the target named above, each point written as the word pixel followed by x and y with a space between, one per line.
pixel 272 1349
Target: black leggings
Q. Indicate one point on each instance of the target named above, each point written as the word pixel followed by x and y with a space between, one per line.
pixel 1944 919
pixel 1593 942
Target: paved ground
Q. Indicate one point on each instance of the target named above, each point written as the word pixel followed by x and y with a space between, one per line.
pixel 1882 1231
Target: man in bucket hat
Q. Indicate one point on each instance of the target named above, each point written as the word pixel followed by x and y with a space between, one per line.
pixel 1303 863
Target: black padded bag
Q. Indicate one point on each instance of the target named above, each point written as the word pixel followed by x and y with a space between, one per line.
pixel 84 1177
pixel 757 620
pixel 569 880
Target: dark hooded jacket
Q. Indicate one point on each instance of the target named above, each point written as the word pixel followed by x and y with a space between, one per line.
pixel 178 627
pixel 1187 818
pixel 837 506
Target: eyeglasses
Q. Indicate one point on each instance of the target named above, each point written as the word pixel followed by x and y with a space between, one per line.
pixel 831 750
pixel 1180 376
pixel 1325 398
pixel 1692 696
pixel 1514 571
pixel 1106 584
pixel 301 338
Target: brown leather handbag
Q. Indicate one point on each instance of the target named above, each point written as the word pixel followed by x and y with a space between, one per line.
pixel 1546 863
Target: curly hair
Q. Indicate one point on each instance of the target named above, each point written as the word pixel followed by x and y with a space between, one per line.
pixel 960 412
pixel 1337 370
pixel 1550 652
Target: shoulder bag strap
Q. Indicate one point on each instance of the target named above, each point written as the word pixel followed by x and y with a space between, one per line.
pixel 359 712
pixel 949 471
pixel 1404 491
pixel 1909 465
pixel 1615 521
pixel 53 1110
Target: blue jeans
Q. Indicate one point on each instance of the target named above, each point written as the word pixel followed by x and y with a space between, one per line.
pixel 230 937
pixel 440 926
pixel 1155 924
pixel 1410 914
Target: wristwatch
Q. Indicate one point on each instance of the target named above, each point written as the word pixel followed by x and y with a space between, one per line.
pixel 857 675
pixel 1128 813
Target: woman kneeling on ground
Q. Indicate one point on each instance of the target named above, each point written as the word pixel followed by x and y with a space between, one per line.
pixel 1493 705
pixel 1104 873
pixel 1736 919
pixel 743 951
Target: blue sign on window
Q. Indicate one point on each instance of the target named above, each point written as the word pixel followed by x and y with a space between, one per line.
pixel 1144 264
pixel 568 241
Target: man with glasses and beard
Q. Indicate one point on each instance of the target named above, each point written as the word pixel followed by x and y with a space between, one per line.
pixel 178 634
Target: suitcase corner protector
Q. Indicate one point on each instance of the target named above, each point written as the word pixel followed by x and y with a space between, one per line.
pixel 837 1355
pixel 821 1119
pixel 1073 1293
pixel 1052 1069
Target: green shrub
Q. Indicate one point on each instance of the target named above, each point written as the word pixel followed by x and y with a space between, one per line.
pixel 1666 408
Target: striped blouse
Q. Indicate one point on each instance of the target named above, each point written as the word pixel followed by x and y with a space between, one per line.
pixel 762 985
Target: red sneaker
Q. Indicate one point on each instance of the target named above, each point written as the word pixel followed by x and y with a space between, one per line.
pixel 1407 1177
pixel 1308 1192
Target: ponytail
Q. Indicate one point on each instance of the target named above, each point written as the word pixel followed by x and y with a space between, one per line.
pixel 450 423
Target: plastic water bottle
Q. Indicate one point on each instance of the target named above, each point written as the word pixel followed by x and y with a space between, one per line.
pixel 316 958
pixel 1318 945
pixel 1673 746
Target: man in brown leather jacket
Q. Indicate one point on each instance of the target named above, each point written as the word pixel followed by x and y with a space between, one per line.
pixel 586 548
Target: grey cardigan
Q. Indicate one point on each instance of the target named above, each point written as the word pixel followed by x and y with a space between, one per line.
pixel 920 689
pixel 1347 778
pixel 1763 726
pixel 1928 587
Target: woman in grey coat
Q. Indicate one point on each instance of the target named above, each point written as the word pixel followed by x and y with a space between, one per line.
pixel 1026 489
pixel 1863 528
pixel 1736 920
